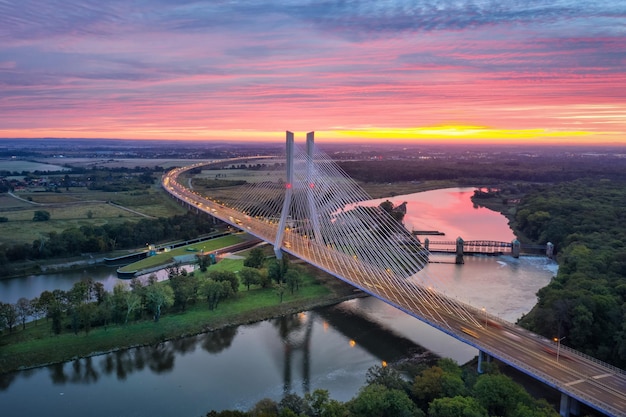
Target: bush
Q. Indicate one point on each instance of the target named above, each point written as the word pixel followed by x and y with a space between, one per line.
pixel 41 216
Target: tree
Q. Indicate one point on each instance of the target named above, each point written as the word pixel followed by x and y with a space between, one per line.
pixel 185 289
pixel 8 315
pixel 276 270
pixel 159 296
pixel 292 279
pixel 456 407
pixel 87 312
pixel 386 376
pixel 24 309
pixel 255 258
pixel 249 276
pixel 204 261
pixel 427 385
pixel 226 276
pixel 37 310
pixel 379 401
pixel 279 289
pixel 46 298
pixel 41 216
pixel 387 206
pixel 499 394
pixel 124 303
pixel 294 403
pixel 320 404
pixel 106 309
pixel 58 306
pixel 98 292
pixel 265 408
pixel 212 291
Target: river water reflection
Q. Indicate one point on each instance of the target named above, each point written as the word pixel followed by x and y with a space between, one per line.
pixel 329 348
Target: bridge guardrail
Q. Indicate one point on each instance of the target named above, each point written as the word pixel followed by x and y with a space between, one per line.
pixel 567 387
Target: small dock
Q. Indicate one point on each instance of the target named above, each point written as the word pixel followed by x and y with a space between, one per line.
pixel 427 233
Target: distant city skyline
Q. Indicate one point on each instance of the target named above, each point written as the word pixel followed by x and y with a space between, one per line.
pixel 430 70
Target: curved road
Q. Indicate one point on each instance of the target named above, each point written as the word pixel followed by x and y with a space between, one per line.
pixel 586 379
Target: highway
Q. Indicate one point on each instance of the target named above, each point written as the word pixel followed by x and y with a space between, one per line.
pixel 599 385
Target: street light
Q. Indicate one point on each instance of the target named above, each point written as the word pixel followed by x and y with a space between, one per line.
pixel 558 346
pixel 485 313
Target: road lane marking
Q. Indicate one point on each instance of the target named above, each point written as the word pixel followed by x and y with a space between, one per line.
pixel 578 381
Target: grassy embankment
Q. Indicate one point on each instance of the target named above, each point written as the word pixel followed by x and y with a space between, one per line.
pixel 165 258
pixel 37 346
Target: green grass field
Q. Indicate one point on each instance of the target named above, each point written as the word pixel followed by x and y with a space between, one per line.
pixel 164 258
pixel 78 207
pixel 29 166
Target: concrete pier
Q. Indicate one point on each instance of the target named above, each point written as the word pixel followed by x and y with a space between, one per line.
pixel 459 251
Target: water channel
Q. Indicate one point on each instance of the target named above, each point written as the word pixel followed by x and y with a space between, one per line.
pixel 330 348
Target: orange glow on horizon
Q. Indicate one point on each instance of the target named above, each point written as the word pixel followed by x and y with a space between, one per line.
pixel 445 133
pixel 464 133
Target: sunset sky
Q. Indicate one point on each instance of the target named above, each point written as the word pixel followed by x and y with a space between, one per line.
pixel 363 70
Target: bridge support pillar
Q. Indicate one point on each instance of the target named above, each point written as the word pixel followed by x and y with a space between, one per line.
pixel 280 233
pixel 569 406
pixel 515 248
pixel 459 251
pixel 426 243
pixel 313 217
pixel 482 358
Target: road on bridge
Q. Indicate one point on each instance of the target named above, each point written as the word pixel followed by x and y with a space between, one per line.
pixel 596 384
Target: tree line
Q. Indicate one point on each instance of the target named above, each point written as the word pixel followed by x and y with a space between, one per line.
pixel 87 304
pixel 441 390
pixel 533 168
pixel 108 237
pixel 585 304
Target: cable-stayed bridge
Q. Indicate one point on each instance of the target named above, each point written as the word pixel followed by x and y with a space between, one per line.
pixel 312 210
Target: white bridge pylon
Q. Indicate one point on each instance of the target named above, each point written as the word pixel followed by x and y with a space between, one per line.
pixel 320 216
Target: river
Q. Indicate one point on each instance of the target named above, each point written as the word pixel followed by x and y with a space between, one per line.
pixel 330 348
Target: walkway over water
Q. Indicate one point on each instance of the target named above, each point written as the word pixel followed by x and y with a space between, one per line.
pixel 315 212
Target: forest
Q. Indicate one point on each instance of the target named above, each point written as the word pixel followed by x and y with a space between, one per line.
pixel 585 304
pixel 487 169
pixel 578 204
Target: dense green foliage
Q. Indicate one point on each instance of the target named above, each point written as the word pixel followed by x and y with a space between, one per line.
pixel 442 390
pixel 586 302
pixel 88 304
pixel 41 216
pixel 91 238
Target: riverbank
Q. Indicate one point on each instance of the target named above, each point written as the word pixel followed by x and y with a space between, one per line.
pixel 147 333
pixel 36 346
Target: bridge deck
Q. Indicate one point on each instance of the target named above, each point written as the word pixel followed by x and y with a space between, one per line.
pixel 594 383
